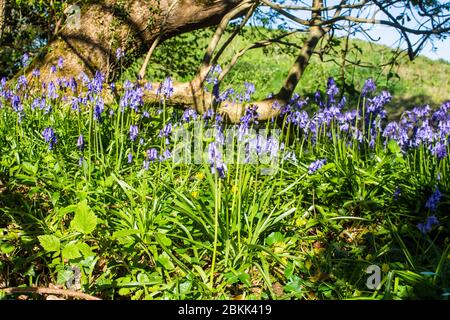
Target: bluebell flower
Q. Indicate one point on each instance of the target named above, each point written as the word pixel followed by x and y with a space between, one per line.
pixel 60 62
pixel 439 150
pixel 80 142
pixel 188 114
pixel 51 91
pixel 215 160
pixel 377 103
pixel 25 59
pixel 165 155
pixel 427 226
pixel 397 193
pixel 16 103
pixel 369 87
pixel 332 90
pixel 166 130
pixel 166 88
pixel 152 154
pixel 433 200
pixel 134 131
pixel 72 84
pixel 119 54
pixel 49 137
pixel 249 90
pixel 53 69
pixel 99 107
pixel 316 165
pixel 36 73
pixel 130 157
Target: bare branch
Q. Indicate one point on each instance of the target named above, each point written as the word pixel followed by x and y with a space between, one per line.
pixel 312 8
pixel 234 34
pixel 206 64
pixel 259 44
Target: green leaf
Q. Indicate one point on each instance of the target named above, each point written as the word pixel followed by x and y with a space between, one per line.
pixel 71 251
pixel 49 243
pixel 29 168
pixel 64 275
pixel 6 248
pixel 244 278
pixel 85 249
pixel 164 260
pixel 274 237
pixel 85 219
pixel 393 146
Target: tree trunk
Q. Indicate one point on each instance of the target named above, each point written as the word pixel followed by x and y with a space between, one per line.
pixel 106 26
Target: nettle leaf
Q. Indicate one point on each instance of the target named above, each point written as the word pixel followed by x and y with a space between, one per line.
pixel 49 243
pixel 85 219
pixel 71 251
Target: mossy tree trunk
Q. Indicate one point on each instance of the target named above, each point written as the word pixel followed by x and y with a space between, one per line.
pixel 131 25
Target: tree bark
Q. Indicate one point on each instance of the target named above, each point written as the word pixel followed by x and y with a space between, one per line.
pixel 106 25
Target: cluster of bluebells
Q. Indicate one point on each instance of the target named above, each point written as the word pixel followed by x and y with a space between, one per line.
pixel 420 127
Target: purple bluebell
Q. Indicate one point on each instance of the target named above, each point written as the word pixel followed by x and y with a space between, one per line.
pixel 249 90
pixel 72 84
pixel 119 54
pixel 49 137
pixel 433 200
pixel 22 82
pixel 215 160
pixel 16 103
pixel 166 130
pixel 152 154
pixel 369 87
pixel 166 88
pixel 377 103
pixel 427 226
pixel 130 157
pixel 80 142
pixel 53 68
pixel 25 59
pixel 165 155
pixel 332 90
pixel 439 150
pixel 189 114
pixel 316 165
pixel 148 86
pixel 60 62
pixel 51 91
pixel 99 107
pixel 226 94
pixel 36 73
pixel 134 131
pixel 397 193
